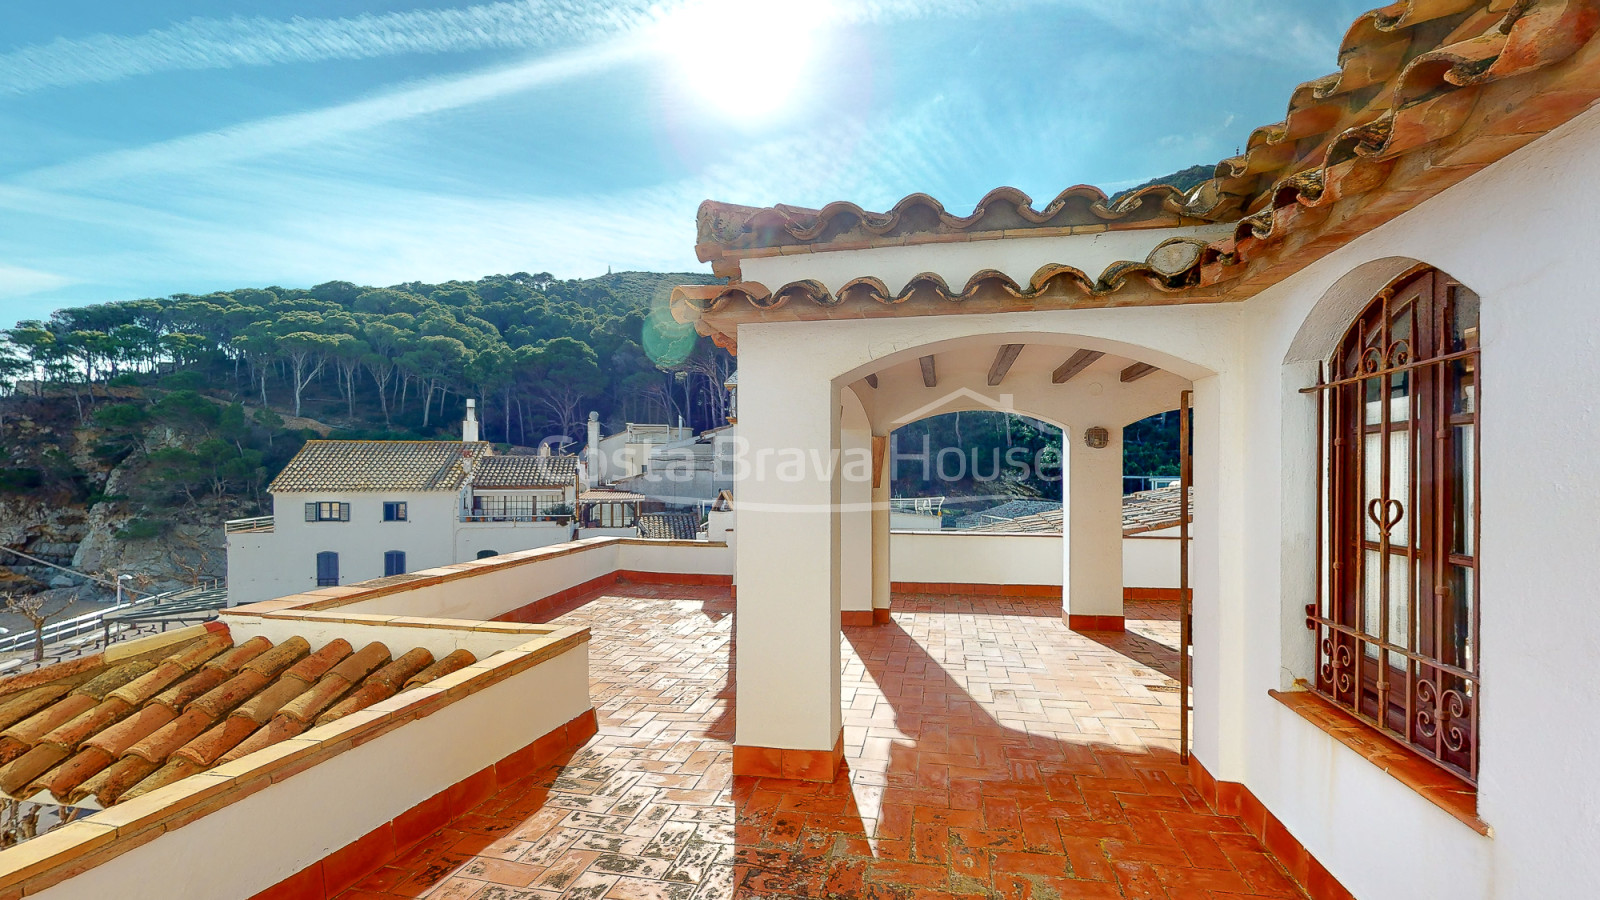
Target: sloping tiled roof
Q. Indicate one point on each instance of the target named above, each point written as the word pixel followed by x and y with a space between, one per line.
pixel 670 526
pixel 1153 510
pixel 1141 512
pixel 1011 509
pixel 129 727
pixel 603 495
pixel 1427 93
pixel 376 466
pixel 526 472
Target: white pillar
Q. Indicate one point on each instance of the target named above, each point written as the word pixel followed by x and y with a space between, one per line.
pixel 881 585
pixel 1093 544
pixel 787 623
pixel 855 513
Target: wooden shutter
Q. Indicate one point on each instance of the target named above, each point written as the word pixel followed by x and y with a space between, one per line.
pixel 311 512
pixel 344 512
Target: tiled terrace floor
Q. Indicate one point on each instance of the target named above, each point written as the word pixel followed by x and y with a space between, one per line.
pixel 991 753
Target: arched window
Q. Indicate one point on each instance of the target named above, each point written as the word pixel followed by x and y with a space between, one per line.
pixel 1397 612
pixel 485 554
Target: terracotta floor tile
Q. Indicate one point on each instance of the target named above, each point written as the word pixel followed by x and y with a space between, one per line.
pixel 989 752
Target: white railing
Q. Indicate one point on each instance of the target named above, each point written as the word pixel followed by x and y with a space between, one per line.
pixel 258 525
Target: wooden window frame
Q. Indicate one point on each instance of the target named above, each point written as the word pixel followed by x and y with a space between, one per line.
pixel 1399 526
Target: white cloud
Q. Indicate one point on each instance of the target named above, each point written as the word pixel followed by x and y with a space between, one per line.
pixel 225 43
pixel 16 281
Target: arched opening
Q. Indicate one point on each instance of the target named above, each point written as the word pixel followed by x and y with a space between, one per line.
pixel 977 470
pixel 485 554
pixel 1397 601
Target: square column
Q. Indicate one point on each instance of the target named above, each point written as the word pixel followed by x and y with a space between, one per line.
pixel 855 512
pixel 787 617
pixel 882 586
pixel 1093 576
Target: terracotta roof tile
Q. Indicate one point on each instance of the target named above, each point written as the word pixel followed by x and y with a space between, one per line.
pixel 102 735
pixel 669 526
pixel 325 466
pixel 512 472
pixel 380 685
pixel 1427 93
pixel 454 661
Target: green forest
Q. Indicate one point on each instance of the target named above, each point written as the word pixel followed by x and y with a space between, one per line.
pixel 245 376
pixel 537 353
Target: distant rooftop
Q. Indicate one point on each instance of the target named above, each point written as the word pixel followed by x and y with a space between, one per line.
pixel 377 466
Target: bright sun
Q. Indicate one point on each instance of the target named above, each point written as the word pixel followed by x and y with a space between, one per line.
pixel 748 60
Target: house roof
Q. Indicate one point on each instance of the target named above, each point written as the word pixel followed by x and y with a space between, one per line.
pixel 1427 93
pixel 322 466
pixel 1141 512
pixel 132 725
pixel 510 472
pixel 671 526
pixel 1007 511
pixel 603 495
pixel 1153 510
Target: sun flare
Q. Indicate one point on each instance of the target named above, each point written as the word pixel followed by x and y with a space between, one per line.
pixel 746 59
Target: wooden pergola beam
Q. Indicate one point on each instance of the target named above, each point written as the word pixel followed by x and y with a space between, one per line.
pixel 1137 371
pixel 930 378
pixel 1081 360
pixel 1002 363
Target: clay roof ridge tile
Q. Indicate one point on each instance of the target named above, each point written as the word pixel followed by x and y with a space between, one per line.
pixel 451 662
pixel 380 685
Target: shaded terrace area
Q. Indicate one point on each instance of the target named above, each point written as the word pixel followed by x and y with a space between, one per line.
pixel 991 753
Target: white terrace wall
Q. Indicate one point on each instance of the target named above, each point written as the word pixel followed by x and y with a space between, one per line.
pixel 252 844
pixel 1519 234
pixel 1150 560
pixel 504 583
pixel 954 557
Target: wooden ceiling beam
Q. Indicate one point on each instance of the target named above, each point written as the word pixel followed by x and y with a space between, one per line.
pixel 1002 363
pixel 930 378
pixel 1137 371
pixel 1081 360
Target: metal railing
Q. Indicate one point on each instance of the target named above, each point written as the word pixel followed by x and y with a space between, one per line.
pixel 80 634
pixel 257 525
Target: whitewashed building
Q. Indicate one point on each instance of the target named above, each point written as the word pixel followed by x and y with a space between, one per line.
pixel 349 511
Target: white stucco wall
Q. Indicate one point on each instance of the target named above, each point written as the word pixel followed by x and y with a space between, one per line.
pixel 940 557
pixel 284 561
pixel 1518 234
pixel 275 832
pixel 1150 560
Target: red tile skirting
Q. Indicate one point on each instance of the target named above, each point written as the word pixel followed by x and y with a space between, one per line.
pixel 799 765
pixel 978 590
pixel 881 616
pixel 1096 623
pixel 855 617
pixel 1230 798
pixel 346 866
pixel 545 608
pixel 1138 593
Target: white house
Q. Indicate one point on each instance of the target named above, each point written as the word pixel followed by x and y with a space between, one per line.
pixel 1391 623
pixel 348 511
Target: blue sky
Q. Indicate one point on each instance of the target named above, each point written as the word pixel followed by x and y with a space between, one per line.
pixel 152 147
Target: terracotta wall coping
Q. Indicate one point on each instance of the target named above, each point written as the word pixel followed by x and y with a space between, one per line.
pixel 1439 787
pixel 34 865
pixel 334 597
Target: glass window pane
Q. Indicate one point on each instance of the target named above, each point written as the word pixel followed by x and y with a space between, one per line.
pixel 1463 490
pixel 1463 319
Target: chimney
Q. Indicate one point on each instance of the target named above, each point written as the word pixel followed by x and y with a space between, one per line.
pixel 593 452
pixel 466 459
pixel 469 428
pixel 544 449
